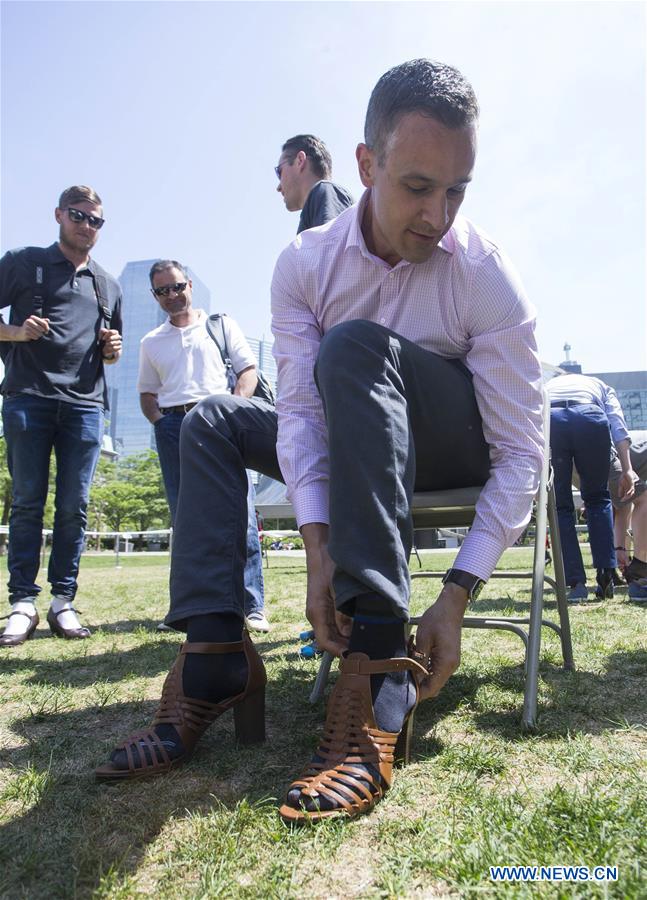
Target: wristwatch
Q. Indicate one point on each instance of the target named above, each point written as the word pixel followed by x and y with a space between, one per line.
pixel 472 583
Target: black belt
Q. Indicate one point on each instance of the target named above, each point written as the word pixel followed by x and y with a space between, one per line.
pixel 568 404
pixel 182 408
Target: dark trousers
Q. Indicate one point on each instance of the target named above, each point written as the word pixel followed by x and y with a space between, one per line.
pixel 399 419
pixel 580 435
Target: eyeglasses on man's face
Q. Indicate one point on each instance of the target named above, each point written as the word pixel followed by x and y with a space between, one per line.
pixel 278 169
pixel 178 288
pixel 77 215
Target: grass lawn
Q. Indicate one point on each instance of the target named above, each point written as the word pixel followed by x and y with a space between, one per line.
pixel 479 792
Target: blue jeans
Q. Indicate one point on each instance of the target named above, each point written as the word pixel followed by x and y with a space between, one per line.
pixel 33 427
pixel 167 438
pixel 580 435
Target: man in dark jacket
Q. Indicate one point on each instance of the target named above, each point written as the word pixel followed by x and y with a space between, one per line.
pixel 304 171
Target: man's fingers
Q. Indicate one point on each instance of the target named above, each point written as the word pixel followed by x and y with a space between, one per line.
pixel 344 624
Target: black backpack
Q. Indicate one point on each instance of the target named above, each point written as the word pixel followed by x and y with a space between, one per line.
pixel 216 331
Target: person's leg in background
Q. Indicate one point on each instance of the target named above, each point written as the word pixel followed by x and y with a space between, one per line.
pixel 254 606
pixel 167 440
pixel 29 424
pixel 561 452
pixel 396 416
pixel 77 446
pixel 591 442
pixel 218 667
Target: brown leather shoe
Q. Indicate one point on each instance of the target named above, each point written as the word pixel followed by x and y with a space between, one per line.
pixel 70 634
pixel 13 640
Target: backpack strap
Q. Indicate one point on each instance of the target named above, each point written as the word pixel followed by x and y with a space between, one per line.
pixel 37 257
pixel 101 293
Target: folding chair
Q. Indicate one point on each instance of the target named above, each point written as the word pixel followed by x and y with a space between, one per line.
pixel 456 508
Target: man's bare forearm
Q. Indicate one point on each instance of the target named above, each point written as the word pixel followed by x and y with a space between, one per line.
pixel 246 384
pixel 148 404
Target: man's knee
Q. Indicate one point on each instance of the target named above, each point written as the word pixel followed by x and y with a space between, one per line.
pixel 341 347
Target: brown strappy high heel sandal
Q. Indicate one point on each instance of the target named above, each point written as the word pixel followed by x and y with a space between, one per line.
pixel 145 750
pixel 351 739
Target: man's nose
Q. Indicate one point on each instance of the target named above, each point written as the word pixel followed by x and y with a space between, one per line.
pixel 278 188
pixel 434 211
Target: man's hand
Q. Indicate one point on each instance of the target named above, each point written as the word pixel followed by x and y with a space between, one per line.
pixel 439 637
pixel 626 484
pixel 623 558
pixel 110 341
pixel 332 629
pixel 31 329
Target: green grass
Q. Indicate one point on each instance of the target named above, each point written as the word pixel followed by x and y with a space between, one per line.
pixel 479 791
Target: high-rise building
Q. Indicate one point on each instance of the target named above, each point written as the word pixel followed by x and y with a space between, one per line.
pixel 130 431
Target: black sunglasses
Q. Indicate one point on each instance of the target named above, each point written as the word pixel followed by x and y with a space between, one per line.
pixel 277 169
pixel 177 288
pixel 77 215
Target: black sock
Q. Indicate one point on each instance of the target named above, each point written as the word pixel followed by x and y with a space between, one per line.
pixel 380 634
pixel 214 676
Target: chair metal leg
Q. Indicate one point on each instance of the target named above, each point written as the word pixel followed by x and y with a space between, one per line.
pixel 560 578
pixel 322 677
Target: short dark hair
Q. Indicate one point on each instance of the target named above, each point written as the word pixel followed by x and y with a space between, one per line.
pixel 316 151
pixel 163 264
pixel 423 86
pixel 78 193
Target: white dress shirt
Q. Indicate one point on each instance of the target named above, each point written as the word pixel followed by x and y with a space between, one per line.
pixel 465 302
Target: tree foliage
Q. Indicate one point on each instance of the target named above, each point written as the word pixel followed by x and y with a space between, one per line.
pixel 128 495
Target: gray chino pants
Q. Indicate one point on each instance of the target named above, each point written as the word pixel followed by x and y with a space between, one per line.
pixel 399 418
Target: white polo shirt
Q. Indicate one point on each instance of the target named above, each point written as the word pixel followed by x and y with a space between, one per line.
pixel 183 365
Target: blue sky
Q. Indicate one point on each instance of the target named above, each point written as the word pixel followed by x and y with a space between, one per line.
pixel 176 112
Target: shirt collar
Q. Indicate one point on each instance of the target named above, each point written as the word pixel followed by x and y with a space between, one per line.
pixel 167 326
pixel 56 255
pixel 356 238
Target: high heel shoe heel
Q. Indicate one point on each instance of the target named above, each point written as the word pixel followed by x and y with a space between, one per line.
pixel 402 752
pixel 249 718
pixel 146 752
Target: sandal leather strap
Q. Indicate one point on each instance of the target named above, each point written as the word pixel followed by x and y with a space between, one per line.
pixel 203 647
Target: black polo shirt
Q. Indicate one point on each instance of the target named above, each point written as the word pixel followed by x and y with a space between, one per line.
pixel 65 364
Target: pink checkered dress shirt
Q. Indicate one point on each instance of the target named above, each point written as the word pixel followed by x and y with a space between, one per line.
pixel 465 302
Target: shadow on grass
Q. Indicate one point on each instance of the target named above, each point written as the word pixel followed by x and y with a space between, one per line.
pixel 77 829
pixel 578 702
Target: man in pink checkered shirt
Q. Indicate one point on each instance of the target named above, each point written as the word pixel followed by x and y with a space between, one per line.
pixel 407 361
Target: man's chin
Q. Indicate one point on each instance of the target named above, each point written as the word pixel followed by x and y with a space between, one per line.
pixel 419 254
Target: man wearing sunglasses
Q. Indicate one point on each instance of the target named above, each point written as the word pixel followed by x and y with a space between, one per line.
pixel 304 171
pixel 179 365
pixel 64 326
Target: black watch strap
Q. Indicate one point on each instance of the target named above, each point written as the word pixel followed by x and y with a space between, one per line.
pixel 472 583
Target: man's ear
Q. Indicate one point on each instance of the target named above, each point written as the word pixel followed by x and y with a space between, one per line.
pixel 58 215
pixel 366 163
pixel 301 160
